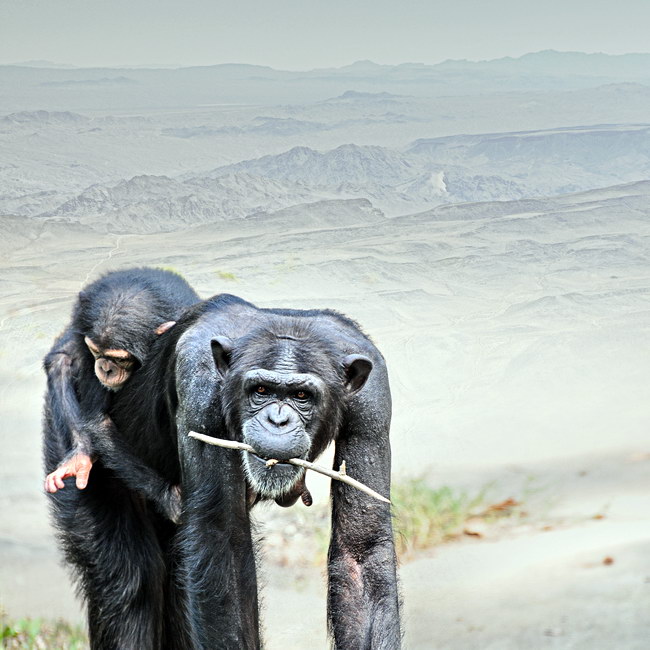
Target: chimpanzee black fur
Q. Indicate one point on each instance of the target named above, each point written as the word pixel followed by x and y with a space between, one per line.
pixel 292 381
pixel 120 312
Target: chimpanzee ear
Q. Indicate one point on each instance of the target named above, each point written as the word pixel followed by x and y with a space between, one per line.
pixel 221 350
pixel 164 327
pixel 357 368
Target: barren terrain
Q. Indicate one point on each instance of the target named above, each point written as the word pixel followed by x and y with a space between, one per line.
pixel 505 278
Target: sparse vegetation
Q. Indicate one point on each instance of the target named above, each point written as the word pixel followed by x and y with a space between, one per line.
pixel 424 517
pixel 226 275
pixel 41 635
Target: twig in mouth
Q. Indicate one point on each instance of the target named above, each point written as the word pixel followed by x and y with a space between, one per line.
pixel 299 462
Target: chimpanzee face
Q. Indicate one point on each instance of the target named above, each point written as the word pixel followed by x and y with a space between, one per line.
pixel 279 412
pixel 285 412
pixel 112 366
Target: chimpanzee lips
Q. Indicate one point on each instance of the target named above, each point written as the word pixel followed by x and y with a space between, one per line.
pixel 260 459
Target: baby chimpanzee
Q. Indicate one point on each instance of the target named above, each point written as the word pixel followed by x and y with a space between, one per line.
pixel 114 323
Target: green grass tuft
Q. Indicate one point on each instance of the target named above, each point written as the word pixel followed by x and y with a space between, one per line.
pixel 226 275
pixel 425 517
pixel 35 633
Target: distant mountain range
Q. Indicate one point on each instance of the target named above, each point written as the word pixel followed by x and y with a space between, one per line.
pixel 429 172
pixel 157 203
pixel 545 61
pixel 143 149
pixel 242 83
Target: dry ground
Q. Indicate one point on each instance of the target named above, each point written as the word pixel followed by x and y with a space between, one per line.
pixel 491 386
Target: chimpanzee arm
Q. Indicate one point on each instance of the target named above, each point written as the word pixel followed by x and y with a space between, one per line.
pixel 217 561
pixel 217 566
pixel 117 455
pixel 74 444
pixel 363 598
pixel 84 437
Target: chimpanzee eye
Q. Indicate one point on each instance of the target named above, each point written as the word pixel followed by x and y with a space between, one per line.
pixel 301 395
pixel 261 390
pixel 124 363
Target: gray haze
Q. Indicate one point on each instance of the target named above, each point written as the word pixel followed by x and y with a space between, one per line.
pixel 488 223
pixel 294 34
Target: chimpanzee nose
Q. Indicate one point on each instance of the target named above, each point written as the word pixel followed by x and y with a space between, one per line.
pixel 278 415
pixel 105 366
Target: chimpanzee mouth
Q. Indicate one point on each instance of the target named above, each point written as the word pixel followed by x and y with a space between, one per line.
pixel 270 480
pixel 270 463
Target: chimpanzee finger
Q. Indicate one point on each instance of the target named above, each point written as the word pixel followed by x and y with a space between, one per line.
pixel 83 471
pixel 58 480
pixel 50 483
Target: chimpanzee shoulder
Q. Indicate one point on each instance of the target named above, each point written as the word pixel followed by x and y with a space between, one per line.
pixel 225 302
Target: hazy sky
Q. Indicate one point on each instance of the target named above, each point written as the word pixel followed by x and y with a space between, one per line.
pixel 303 34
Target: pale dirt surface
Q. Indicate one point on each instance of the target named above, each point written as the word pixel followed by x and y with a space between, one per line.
pixel 518 348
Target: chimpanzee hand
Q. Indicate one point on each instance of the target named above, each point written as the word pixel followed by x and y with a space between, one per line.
pixel 77 464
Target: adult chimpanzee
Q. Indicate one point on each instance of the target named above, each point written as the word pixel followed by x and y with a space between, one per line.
pixel 114 323
pixel 287 382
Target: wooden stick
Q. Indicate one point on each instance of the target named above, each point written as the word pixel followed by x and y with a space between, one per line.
pixel 299 462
